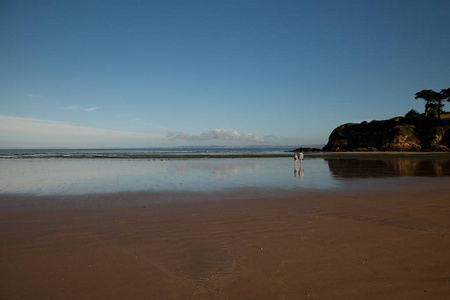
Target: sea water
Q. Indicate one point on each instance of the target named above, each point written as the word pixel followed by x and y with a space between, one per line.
pixel 179 152
pixel 47 176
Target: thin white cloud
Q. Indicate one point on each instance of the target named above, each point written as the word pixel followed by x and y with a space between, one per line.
pixel 73 107
pixel 216 134
pixel 37 133
pixel 91 109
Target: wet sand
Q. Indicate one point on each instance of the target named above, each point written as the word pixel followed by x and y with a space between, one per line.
pixel 388 242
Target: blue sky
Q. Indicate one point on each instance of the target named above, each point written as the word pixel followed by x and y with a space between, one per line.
pixel 239 72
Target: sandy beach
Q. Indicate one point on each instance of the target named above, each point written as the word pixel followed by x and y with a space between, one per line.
pixel 387 242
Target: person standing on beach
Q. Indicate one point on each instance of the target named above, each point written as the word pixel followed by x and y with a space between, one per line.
pixel 295 160
pixel 300 157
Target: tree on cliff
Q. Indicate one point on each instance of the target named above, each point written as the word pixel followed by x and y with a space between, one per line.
pixel 428 96
pixel 433 100
pixel 443 95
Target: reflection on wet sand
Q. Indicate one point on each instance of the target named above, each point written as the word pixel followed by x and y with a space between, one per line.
pixel 88 176
pixel 216 167
pixel 357 168
pixel 299 171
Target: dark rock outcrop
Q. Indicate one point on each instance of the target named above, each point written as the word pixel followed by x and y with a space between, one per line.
pixel 307 149
pixel 398 134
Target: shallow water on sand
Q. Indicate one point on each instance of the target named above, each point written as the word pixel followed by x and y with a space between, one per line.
pixel 86 176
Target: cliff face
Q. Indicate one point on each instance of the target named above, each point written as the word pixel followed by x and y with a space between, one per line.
pixel 398 134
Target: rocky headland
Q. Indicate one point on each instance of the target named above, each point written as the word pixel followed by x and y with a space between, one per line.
pixel 397 134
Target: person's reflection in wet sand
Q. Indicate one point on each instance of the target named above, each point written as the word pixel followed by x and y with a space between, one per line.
pixel 299 172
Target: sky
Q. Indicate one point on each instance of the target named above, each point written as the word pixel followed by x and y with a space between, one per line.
pixel 135 73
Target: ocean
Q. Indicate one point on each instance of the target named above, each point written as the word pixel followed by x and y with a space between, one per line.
pixel 174 152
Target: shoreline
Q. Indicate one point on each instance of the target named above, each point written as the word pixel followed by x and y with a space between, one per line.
pixel 386 242
pixel 225 155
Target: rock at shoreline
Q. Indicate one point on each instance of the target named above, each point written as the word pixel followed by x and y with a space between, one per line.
pixel 398 134
pixel 307 149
